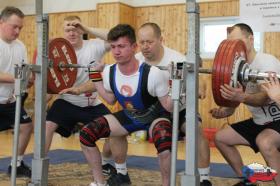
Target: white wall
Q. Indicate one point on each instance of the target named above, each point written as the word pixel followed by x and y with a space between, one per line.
pixel 52 6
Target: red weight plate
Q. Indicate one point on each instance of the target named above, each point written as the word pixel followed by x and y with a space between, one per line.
pixel 215 70
pixel 223 66
pixel 217 79
pixel 61 52
pixel 237 49
pixel 227 73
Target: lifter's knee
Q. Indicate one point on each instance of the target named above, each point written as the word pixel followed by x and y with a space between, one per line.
pixel 266 145
pixel 93 131
pixel 162 135
pixel 51 126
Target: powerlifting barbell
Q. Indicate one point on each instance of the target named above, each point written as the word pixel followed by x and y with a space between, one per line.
pixel 229 67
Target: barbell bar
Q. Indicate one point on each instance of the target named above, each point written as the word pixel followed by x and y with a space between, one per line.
pixel 229 67
pixel 62 66
pixel 254 75
pixel 201 70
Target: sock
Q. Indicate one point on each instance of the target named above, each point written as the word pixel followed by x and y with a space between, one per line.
pixel 19 159
pixel 106 160
pixel 121 168
pixel 204 173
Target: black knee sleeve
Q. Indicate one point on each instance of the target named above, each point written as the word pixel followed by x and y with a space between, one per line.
pixel 93 131
pixel 162 135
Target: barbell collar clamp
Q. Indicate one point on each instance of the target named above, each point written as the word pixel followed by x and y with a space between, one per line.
pixel 254 75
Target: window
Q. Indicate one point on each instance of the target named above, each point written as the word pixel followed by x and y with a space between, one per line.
pixel 214 30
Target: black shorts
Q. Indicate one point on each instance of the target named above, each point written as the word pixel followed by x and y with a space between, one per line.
pixel 67 115
pixel 249 130
pixel 7 116
pixel 132 126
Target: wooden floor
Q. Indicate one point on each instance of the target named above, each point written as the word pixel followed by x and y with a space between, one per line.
pixel 138 148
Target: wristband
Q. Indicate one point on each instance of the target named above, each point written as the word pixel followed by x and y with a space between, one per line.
pixel 95 76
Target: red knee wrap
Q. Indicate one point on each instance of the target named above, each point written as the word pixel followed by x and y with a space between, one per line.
pixel 162 135
pixel 93 131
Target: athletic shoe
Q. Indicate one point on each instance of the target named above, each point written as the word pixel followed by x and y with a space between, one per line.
pixel 119 180
pixel 108 169
pixel 22 171
pixel 205 183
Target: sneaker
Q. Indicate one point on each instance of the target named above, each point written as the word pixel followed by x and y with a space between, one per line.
pixel 205 183
pixel 22 171
pixel 108 170
pixel 119 180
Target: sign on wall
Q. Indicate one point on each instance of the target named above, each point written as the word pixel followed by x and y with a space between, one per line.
pixel 261 15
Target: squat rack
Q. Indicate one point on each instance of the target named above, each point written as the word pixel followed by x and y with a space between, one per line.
pixel 40 162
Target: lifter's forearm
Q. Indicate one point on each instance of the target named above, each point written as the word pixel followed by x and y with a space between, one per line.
pixel 98 32
pixel 256 100
pixel 109 97
pixel 86 87
pixel 6 78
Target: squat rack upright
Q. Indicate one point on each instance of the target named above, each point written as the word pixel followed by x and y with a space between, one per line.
pixel 40 163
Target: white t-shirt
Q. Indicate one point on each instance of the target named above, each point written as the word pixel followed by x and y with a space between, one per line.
pixel 263 63
pixel 92 50
pixel 127 85
pixel 10 54
pixel 169 55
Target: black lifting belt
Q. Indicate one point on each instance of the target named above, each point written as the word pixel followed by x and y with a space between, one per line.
pixel 146 116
